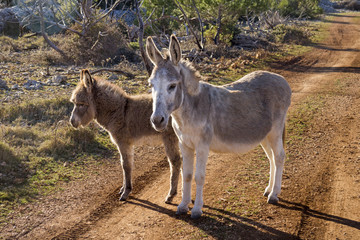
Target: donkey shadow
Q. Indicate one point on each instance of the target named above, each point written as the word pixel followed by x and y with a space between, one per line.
pixel 316 214
pixel 225 225
pixel 228 225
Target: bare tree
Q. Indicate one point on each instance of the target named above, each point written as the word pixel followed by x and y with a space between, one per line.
pixel 43 33
pixel 81 13
pixel 218 25
pixel 199 42
pixel 140 32
pixel 202 39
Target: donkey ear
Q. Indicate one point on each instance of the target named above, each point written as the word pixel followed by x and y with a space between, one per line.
pixel 175 50
pixel 153 52
pixel 86 78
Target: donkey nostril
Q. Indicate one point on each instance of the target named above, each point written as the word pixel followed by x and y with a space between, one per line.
pixel 157 120
pixel 73 123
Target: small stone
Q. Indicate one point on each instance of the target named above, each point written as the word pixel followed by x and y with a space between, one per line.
pixel 30 83
pixel 3 84
pixel 59 79
pixel 15 87
pixel 113 77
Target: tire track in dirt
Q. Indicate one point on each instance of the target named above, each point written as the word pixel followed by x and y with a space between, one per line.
pixel 336 187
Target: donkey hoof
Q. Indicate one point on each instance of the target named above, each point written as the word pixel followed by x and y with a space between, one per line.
pixel 169 199
pixel 266 194
pixel 196 214
pixel 124 196
pixel 273 199
pixel 182 210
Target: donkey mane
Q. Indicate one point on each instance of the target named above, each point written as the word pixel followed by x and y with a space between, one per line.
pixel 108 88
pixel 191 76
pixel 109 100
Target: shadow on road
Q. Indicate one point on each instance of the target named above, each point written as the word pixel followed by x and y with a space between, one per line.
pixel 313 213
pixel 221 224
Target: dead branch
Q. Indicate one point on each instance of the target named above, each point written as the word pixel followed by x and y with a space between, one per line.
pixel 199 44
pixel 43 33
pixel 147 63
pixel 218 24
pixel 200 23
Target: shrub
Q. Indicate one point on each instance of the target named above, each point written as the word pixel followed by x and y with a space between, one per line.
pixel 290 34
pixel 295 8
pixel 101 44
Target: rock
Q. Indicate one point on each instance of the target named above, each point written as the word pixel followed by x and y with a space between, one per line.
pixel 9 23
pixel 14 87
pixel 327 6
pixel 58 79
pixel 3 84
pixel 113 77
pixel 32 85
pixel 26 18
pixel 30 82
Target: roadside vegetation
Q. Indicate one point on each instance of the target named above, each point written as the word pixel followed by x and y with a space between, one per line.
pixel 40 152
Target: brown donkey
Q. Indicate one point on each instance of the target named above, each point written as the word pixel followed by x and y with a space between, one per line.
pixel 127 120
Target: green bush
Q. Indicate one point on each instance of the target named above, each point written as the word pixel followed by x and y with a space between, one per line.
pixel 290 34
pixel 296 8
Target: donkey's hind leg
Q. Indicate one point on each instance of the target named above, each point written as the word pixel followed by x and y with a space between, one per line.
pixel 126 157
pixel 187 175
pixel 172 151
pixel 269 153
pixel 275 138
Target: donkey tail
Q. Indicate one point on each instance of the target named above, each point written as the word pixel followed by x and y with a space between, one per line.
pixel 284 135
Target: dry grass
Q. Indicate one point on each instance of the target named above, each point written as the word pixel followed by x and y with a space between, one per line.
pixel 36 142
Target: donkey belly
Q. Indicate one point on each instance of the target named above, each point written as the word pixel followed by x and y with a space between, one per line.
pixel 152 140
pixel 217 145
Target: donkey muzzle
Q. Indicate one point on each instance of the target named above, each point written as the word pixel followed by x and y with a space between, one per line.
pixel 73 122
pixel 159 123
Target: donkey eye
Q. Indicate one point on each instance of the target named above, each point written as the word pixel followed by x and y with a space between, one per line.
pixel 171 87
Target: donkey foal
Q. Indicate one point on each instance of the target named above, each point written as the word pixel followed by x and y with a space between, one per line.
pixel 127 120
pixel 231 118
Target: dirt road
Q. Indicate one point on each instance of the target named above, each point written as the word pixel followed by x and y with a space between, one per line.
pixel 320 197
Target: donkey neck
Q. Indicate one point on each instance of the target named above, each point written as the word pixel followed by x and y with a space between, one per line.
pixel 194 108
pixel 110 104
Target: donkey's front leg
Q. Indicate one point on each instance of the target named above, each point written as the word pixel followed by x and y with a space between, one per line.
pixel 187 173
pixel 126 158
pixel 202 154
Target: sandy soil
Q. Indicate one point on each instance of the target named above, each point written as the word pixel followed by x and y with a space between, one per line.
pixel 320 197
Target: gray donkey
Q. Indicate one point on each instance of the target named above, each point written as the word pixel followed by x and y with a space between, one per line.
pixel 230 118
pixel 127 119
